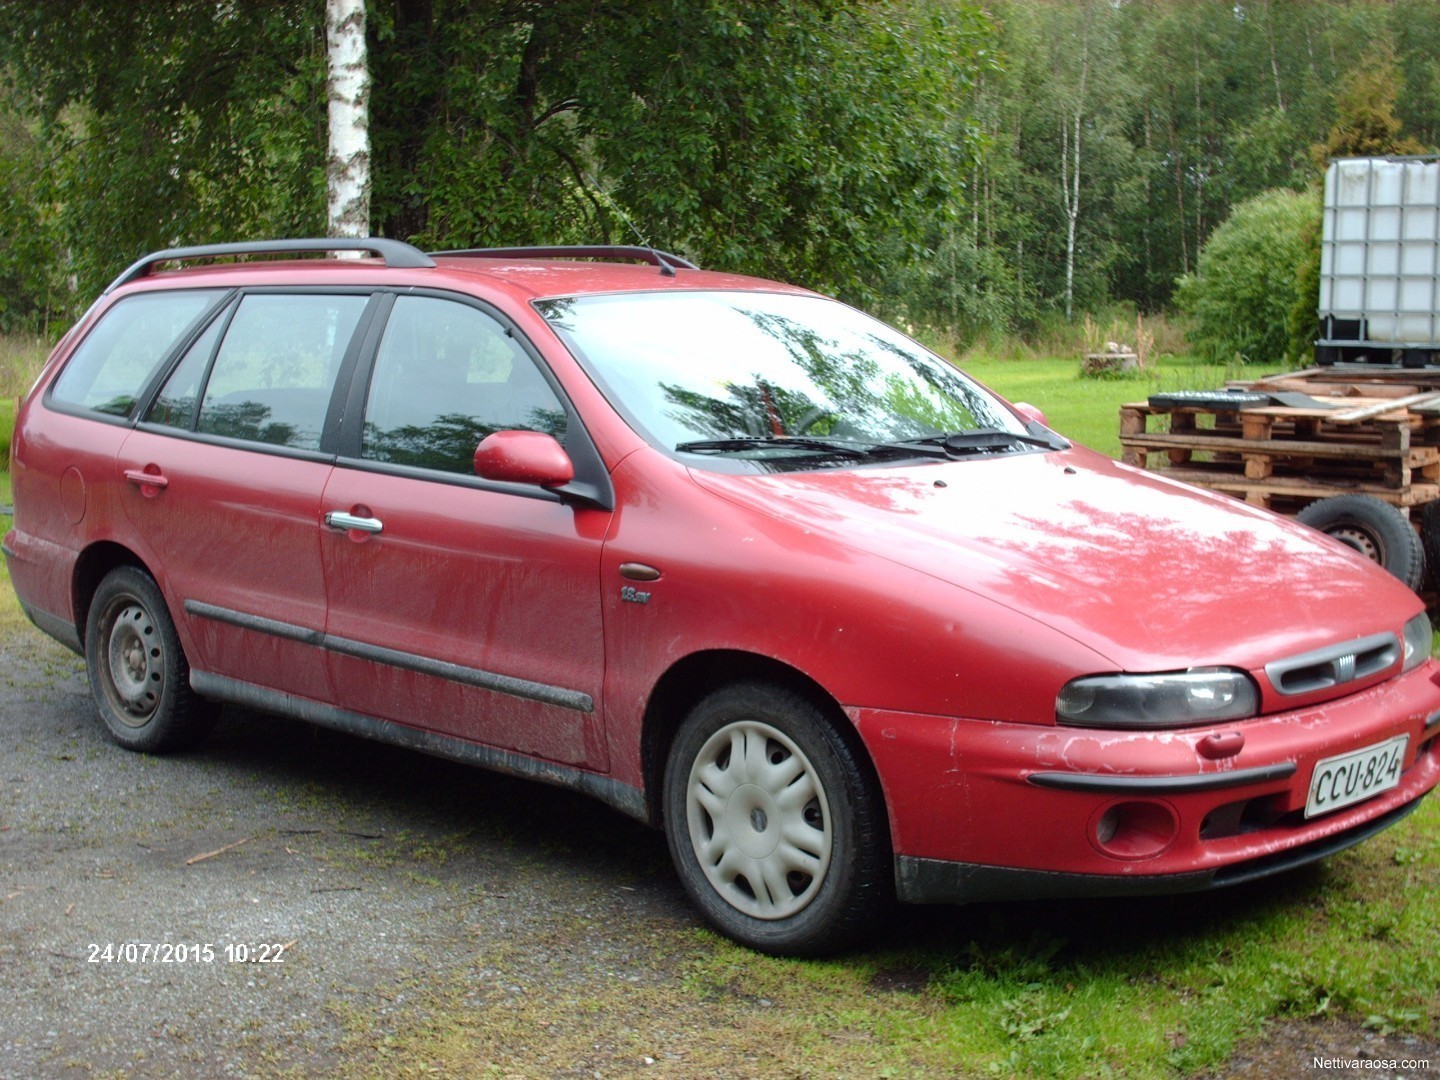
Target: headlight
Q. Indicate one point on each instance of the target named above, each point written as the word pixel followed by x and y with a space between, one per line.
pixel 1418 641
pixel 1174 699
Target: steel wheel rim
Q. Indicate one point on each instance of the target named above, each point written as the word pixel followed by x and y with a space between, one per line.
pixel 759 820
pixel 135 663
pixel 1361 540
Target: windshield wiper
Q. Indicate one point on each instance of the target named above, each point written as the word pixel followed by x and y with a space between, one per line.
pixel 979 441
pixel 948 445
pixel 771 442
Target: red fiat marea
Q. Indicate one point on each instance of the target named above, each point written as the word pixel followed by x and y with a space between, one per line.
pixel 732 557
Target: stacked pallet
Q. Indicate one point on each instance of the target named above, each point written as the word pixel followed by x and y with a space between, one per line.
pixel 1285 441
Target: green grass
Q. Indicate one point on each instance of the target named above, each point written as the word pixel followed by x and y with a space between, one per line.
pixel 1087 410
pixel 21 358
pixel 1142 988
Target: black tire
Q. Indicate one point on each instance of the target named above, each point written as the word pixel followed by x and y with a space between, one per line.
pixel 1430 540
pixel 724 823
pixel 1220 400
pixel 139 676
pixel 1377 530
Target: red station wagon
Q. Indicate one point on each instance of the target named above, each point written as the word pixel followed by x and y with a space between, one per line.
pixel 731 557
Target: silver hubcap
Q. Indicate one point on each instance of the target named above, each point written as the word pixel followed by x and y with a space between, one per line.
pixel 759 820
pixel 137 664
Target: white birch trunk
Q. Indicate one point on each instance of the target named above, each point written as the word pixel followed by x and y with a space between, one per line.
pixel 1070 171
pixel 347 167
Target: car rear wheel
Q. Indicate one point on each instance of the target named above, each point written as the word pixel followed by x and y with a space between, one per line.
pixel 774 825
pixel 139 676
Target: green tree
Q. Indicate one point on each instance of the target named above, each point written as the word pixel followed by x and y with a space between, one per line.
pixel 814 141
pixel 1251 277
pixel 183 121
pixel 810 139
pixel 30 287
pixel 1367 125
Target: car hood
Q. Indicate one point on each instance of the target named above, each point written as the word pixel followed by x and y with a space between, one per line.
pixel 1152 574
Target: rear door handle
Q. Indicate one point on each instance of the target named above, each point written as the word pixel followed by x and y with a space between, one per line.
pixel 146 479
pixel 338 519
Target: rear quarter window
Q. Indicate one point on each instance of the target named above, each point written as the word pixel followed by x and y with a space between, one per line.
pixel 111 367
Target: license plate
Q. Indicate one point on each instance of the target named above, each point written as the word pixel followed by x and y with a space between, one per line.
pixel 1349 778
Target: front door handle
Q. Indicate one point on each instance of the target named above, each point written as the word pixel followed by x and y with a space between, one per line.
pixel 338 519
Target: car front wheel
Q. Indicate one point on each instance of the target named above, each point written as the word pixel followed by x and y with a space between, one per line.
pixel 774 824
pixel 138 672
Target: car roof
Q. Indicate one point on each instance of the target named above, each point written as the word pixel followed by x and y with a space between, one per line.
pixel 549 272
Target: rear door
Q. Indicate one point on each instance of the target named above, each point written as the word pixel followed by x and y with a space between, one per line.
pixel 455 605
pixel 222 483
pixel 66 484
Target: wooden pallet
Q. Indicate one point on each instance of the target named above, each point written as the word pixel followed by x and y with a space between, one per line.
pixel 1384 443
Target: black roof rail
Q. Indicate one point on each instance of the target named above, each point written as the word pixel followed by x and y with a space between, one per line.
pixel 396 253
pixel 663 259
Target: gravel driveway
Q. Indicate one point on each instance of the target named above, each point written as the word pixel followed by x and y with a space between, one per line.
pixel 375 869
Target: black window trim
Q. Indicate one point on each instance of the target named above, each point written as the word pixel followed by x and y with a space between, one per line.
pixel 223 319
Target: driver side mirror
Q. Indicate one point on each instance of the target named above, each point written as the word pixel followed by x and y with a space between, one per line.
pixel 523 457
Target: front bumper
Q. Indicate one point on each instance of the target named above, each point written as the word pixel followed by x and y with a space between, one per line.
pixel 984 811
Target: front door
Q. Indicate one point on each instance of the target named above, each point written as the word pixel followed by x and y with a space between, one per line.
pixel 462 607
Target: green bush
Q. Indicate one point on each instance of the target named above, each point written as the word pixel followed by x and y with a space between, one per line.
pixel 1254 274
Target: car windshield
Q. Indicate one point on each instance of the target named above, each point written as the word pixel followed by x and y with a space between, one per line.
pixel 776 380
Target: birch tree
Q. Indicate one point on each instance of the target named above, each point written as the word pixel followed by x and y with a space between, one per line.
pixel 1070 169
pixel 347 166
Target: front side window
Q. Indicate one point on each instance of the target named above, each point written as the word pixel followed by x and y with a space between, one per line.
pixel 447 375
pixel 777 380
pixel 272 377
pixel 111 367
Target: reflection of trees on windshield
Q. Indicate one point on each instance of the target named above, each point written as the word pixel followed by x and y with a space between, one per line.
pixel 710 366
pixel 559 312
pixel 857 397
pixel 757 410
pixel 953 404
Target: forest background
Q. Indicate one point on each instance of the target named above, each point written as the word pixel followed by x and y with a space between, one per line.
pixel 975 170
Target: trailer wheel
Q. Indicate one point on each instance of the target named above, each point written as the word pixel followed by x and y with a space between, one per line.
pixel 1375 529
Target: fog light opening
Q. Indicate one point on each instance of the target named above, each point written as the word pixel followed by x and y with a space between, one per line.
pixel 1135 830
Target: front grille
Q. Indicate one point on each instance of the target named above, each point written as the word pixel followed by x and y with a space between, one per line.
pixel 1334 665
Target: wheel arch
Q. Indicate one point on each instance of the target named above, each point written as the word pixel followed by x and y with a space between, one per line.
pixel 93 564
pixel 691 678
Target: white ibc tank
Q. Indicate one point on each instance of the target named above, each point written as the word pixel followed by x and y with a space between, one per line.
pixel 1380 248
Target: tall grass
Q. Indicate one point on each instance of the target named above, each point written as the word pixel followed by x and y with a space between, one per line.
pixel 21 357
pixel 1152 336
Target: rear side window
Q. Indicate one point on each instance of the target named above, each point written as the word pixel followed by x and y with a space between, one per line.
pixel 112 366
pixel 272 377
